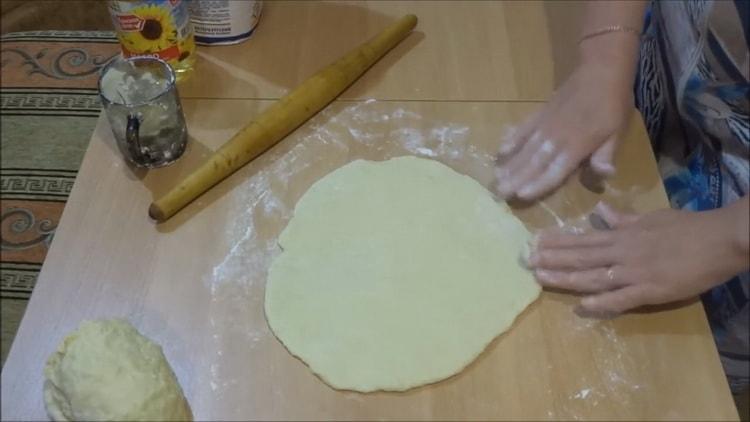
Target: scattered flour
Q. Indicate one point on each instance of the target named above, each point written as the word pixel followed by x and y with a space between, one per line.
pixel 264 201
pixel 582 394
pixel 612 359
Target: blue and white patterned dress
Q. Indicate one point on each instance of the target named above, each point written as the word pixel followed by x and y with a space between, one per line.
pixel 692 90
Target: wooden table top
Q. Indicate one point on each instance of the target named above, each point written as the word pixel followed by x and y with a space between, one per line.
pixel 195 283
pixel 477 50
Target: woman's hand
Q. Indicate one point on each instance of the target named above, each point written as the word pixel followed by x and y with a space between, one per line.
pixel 649 259
pixel 583 120
pixel 585 117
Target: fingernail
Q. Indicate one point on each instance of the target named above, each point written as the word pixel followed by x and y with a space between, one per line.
pixel 588 302
pixel 602 167
pixel 580 311
pixel 527 251
pixel 543 275
pixel 506 147
pixel 526 192
pixel 504 188
pixel 606 169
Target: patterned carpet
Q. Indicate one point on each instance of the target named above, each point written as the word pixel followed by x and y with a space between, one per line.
pixel 49 107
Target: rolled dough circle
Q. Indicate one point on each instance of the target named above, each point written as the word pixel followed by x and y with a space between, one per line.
pixel 107 371
pixel 396 274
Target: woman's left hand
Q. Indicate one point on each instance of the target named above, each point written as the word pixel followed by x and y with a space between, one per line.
pixel 649 259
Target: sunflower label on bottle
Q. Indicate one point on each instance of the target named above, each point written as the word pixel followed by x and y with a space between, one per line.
pixel 155 28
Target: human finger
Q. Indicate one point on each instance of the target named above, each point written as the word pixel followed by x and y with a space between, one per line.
pixel 530 165
pixel 568 160
pixel 554 175
pixel 587 281
pixel 507 165
pixel 557 239
pixel 515 137
pixel 571 258
pixel 615 301
pixel 613 217
pixel 602 160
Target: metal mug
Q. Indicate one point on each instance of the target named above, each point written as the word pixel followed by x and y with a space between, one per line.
pixel 144 111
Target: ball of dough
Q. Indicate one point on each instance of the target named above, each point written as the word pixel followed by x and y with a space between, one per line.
pixel 107 371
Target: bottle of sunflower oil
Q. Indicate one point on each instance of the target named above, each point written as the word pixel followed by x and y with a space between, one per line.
pixel 156 28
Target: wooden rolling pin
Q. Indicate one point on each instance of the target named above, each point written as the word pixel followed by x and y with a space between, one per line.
pixel 281 118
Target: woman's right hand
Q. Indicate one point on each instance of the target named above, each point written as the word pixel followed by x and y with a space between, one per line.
pixel 583 120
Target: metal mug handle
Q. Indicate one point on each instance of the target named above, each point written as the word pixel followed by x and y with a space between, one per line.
pixel 132 136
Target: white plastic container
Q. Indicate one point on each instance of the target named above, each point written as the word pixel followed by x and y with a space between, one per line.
pixel 222 22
